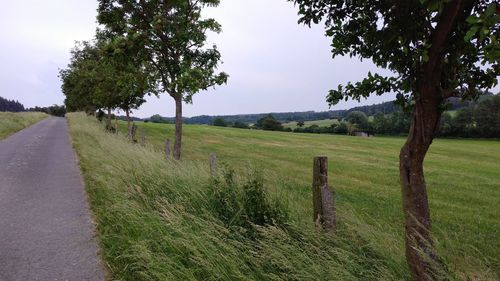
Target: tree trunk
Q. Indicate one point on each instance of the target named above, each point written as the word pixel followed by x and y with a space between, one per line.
pixel 129 126
pixel 109 124
pixel 421 255
pixel 178 128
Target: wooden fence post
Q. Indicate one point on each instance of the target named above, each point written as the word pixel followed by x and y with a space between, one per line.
pixel 167 148
pixel 323 197
pixel 133 133
pixel 213 164
pixel 143 137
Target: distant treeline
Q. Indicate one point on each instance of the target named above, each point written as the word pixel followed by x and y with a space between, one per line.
pixel 55 110
pixel 479 119
pixel 15 106
pixel 475 120
pixel 10 105
pixel 386 108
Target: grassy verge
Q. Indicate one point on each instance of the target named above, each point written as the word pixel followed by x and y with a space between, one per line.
pixel 11 122
pixel 156 220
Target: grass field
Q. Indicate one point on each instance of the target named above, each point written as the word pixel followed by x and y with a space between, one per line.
pixel 153 226
pixel 321 123
pixel 11 122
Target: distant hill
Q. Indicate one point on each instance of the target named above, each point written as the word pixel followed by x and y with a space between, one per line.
pixel 386 107
pixel 10 105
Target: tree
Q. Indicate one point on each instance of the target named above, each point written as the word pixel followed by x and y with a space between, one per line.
pixel 300 123
pixel 103 74
pixel 220 122
pixel 269 123
pixel 241 125
pixel 380 123
pixel 172 35
pixel 436 49
pixel 487 117
pixel 10 105
pixel 358 118
pixel 125 74
pixel 77 80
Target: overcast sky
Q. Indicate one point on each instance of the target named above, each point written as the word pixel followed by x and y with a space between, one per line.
pixel 275 65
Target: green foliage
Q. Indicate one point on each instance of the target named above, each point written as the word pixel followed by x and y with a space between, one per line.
pixel 300 123
pixel 241 125
pixel 157 118
pixel 171 38
pixel 245 205
pixel 54 110
pixel 400 37
pixel 10 105
pixel 99 77
pixel 479 120
pixel 269 123
pixel 220 122
pixel 359 119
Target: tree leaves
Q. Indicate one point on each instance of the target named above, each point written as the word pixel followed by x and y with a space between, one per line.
pixel 397 36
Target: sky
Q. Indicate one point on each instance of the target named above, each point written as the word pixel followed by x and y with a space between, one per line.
pixel 274 64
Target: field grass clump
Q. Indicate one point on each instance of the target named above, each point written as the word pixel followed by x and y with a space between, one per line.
pixel 156 221
pixel 245 205
pixel 12 122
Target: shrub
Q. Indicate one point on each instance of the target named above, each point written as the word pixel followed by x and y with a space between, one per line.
pixel 220 122
pixel 245 205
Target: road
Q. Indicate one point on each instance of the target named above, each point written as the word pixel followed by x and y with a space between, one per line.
pixel 46 232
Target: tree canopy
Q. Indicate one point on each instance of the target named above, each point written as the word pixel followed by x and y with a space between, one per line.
pixel 172 39
pixel 407 38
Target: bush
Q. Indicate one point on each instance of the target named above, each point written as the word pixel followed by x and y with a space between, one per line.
pixel 220 122
pixel 245 205
pixel 241 125
pixel 269 123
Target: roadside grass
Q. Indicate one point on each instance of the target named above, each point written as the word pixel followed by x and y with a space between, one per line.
pixel 463 182
pixel 12 122
pixel 321 123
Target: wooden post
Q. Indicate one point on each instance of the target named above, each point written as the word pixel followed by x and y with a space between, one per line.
pixel 133 133
pixel 323 197
pixel 143 137
pixel 213 164
pixel 167 148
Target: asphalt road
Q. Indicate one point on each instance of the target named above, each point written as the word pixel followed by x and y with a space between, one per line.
pixel 46 231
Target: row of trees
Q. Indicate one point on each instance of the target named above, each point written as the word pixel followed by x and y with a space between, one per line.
pixel 477 120
pixel 10 105
pixel 15 106
pixel 144 48
pixel 55 110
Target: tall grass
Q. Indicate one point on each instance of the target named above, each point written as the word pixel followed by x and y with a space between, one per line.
pixel 11 122
pixel 462 179
pixel 157 220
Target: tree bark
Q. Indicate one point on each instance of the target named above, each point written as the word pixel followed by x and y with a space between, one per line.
pixel 109 125
pixel 421 255
pixel 129 127
pixel 178 128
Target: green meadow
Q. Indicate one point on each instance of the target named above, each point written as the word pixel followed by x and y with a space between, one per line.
pixel 154 220
pixel 11 122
